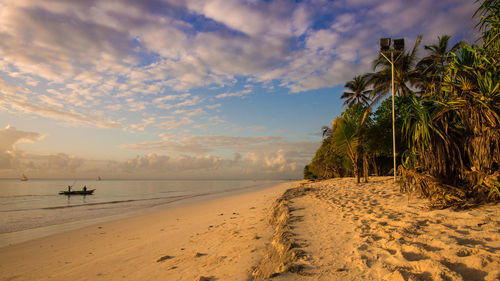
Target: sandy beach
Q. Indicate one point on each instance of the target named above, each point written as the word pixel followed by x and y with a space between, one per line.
pixel 329 230
pixel 222 238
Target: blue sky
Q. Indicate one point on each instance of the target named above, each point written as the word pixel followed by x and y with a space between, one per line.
pixel 189 88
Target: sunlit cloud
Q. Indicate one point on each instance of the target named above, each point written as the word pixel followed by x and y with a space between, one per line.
pixel 191 101
pixel 254 163
pixel 190 113
pixel 141 126
pixel 12 99
pixel 178 66
pixel 172 123
pixel 9 137
pixel 106 37
pixel 240 94
pixel 213 106
pixel 171 98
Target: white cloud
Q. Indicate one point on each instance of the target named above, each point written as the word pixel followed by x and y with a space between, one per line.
pixel 171 98
pixel 189 113
pixel 91 62
pixel 240 94
pixel 213 106
pixel 253 156
pixel 192 101
pixel 144 123
pixel 16 99
pixel 260 157
pixel 9 137
pixel 101 44
pixel 298 152
pixel 172 123
pixel 134 105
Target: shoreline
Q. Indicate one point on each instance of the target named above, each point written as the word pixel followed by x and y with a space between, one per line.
pixel 24 235
pixel 114 249
pixel 328 230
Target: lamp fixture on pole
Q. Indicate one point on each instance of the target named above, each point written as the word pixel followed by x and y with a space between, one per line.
pixel 398 48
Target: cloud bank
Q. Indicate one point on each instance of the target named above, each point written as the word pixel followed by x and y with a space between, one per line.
pixel 260 158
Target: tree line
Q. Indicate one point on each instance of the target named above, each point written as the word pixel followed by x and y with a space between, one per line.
pixel 447 120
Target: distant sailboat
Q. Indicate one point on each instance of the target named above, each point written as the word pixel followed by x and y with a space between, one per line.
pixel 24 178
pixel 98 178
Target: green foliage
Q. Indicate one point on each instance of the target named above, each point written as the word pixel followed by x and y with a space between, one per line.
pixel 328 162
pixel 359 93
pixel 449 130
pixel 453 133
pixel 489 24
pixel 308 174
pixel 380 132
pixel 405 75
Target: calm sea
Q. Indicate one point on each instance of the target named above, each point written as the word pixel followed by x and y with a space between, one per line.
pixel 32 209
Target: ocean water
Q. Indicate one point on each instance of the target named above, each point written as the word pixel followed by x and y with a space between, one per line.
pixel 33 208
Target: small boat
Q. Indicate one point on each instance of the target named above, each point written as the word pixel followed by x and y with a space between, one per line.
pixel 24 178
pixel 77 192
pixel 98 178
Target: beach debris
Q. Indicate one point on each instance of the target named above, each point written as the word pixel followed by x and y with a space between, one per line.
pixel 166 257
pixel 198 254
pixel 203 278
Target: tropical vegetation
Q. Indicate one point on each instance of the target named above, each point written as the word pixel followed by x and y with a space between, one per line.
pixel 447 120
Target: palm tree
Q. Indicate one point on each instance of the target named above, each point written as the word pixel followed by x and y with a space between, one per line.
pixel 359 93
pixel 432 66
pixel 489 23
pixel 454 133
pixel 348 135
pixel 453 136
pixel 404 73
pixel 344 129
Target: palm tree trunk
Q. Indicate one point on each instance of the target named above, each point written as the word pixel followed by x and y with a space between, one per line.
pixel 366 167
pixel 374 165
pixel 356 172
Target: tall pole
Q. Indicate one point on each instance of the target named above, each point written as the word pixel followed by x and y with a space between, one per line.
pixel 391 61
pixel 398 47
pixel 393 117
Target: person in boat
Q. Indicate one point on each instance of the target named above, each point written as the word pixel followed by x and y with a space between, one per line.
pixel 84 188
pixel 69 188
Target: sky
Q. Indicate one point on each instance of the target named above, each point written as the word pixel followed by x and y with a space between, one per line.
pixel 189 89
